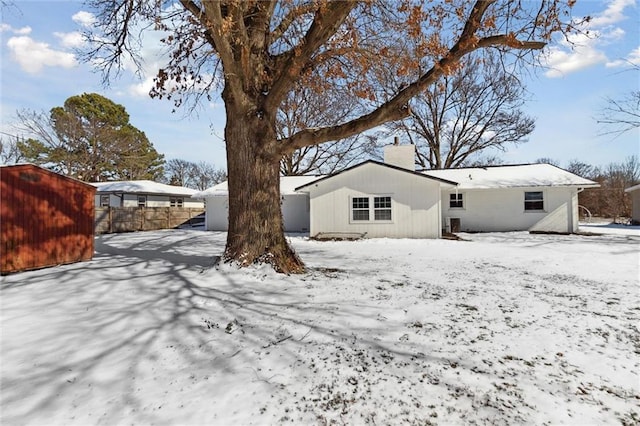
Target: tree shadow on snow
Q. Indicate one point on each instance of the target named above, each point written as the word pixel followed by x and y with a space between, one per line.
pixel 156 301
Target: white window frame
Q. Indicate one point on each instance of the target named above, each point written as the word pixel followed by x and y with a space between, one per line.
pixel 144 200
pixel 459 198
pixel 385 208
pixel 176 202
pixel 529 202
pixel 102 200
pixel 361 207
pixel 371 208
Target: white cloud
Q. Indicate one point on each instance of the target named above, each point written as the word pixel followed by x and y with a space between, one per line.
pixel 562 62
pixel 142 89
pixel 633 58
pixel 33 56
pixel 18 31
pixel 73 39
pixel 613 14
pixel 85 19
pixel 583 50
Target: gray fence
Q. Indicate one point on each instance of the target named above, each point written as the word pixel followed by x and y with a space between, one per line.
pixel 128 219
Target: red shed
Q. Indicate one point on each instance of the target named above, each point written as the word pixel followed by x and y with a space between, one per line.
pixel 45 218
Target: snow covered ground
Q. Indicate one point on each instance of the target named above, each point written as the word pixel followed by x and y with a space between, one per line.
pixel 503 328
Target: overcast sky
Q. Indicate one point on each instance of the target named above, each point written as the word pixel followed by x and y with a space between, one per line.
pixel 39 71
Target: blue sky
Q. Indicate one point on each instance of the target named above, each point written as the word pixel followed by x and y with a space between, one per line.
pixel 38 71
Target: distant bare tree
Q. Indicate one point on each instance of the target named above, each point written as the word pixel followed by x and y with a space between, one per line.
pixel 178 172
pixel 204 175
pixel 610 200
pixel 547 160
pixel 308 107
pixel 475 109
pixel 482 161
pixel 9 150
pixel 621 115
pixel 192 175
pixel 584 170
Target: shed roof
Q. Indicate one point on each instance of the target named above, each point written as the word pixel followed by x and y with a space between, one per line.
pixel 633 188
pixel 142 187
pixel 40 169
pixel 319 179
pixel 515 176
pixel 288 185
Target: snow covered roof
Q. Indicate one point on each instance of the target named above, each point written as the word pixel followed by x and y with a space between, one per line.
pixel 143 187
pixel 523 175
pixel 288 184
pixel 377 163
pixel 633 188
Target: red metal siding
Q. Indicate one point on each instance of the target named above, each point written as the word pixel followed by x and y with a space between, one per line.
pixel 45 219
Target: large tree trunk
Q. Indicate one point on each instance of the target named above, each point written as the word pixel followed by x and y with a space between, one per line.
pixel 256 231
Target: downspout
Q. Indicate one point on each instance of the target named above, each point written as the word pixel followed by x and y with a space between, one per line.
pixel 576 215
pixel 440 211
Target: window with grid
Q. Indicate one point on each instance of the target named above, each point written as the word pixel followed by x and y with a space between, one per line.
pixel 142 201
pixel 533 201
pixel 382 208
pixel 360 208
pixel 176 202
pixel 104 201
pixel 455 201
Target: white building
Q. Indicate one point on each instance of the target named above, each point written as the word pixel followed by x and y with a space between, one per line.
pixel 295 205
pixel 144 193
pixel 634 193
pixel 375 199
pixel 391 199
pixel 533 197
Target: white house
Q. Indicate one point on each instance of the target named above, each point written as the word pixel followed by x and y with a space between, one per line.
pixel 391 199
pixel 533 197
pixel 634 192
pixel 144 193
pixel 375 199
pixel 295 205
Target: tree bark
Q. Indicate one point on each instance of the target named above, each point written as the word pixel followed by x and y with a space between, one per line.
pixel 256 229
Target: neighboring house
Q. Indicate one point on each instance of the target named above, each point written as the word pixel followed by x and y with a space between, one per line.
pixel 391 199
pixel 295 205
pixel 634 192
pixel 46 219
pixel 144 193
pixel 533 197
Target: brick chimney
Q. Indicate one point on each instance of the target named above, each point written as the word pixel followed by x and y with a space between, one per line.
pixel 400 155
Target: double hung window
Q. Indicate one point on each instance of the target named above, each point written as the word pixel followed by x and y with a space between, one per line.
pixel 382 208
pixel 371 209
pixel 456 201
pixel 533 201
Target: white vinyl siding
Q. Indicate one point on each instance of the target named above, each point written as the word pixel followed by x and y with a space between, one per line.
pixel 414 200
pixel 295 213
pixel 502 210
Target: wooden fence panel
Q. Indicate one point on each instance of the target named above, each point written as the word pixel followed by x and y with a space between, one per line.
pixel 129 219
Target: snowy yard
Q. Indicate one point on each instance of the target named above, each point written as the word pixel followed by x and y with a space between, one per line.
pixel 504 328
